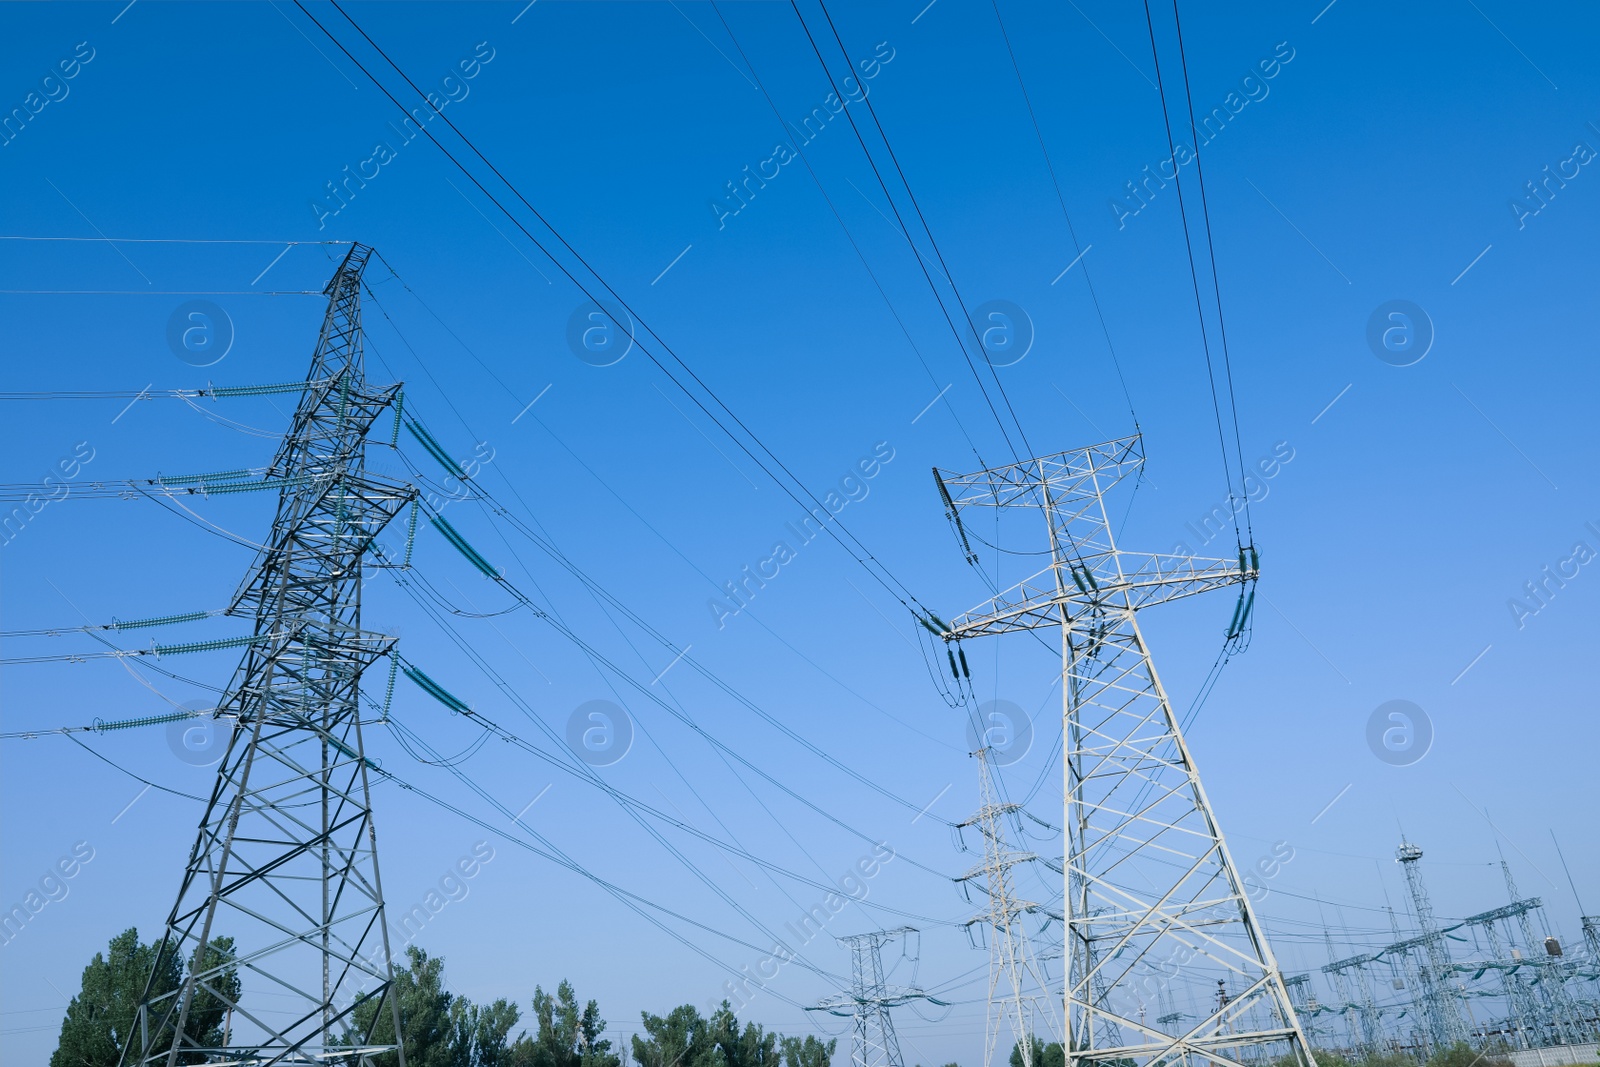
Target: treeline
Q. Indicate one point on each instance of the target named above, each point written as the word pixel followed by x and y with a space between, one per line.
pixel 438 1028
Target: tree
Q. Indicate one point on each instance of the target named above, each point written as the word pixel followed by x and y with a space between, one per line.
pixel 1044 1055
pixel 429 1031
pixel 440 1029
pixel 681 1038
pixel 208 1012
pixel 566 1037
pixel 812 1052
pixel 482 1032
pixel 751 1047
pixel 103 1016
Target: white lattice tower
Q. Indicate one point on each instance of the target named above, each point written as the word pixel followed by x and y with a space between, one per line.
pixel 1016 981
pixel 1148 873
pixel 874 1043
pixel 1524 1012
pixel 285 861
pixel 1560 1014
pixel 1441 1007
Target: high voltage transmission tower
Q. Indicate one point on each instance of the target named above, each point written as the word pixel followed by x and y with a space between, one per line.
pixel 874 1043
pixel 1011 958
pixel 1441 1007
pixel 1561 1014
pixel 286 860
pixel 1148 877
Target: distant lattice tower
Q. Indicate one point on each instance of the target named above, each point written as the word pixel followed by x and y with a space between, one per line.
pixel 1402 972
pixel 1368 1037
pixel 874 1041
pixel 1561 1016
pixel 1016 982
pixel 1305 1005
pixel 1525 1014
pixel 1440 1004
pixel 1148 875
pixel 1591 943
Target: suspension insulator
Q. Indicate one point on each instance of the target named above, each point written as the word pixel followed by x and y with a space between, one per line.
pixel 961 652
pixel 953 672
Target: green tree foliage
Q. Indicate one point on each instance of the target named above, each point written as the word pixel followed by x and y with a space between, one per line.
pixel 566 1037
pixel 682 1038
pixel 750 1047
pixel 102 1017
pixel 483 1032
pixel 1044 1054
pixel 437 1028
pixel 811 1052
pixel 428 1032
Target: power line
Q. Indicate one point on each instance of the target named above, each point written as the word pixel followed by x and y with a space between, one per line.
pixel 833 209
pixel 1211 252
pixel 1194 273
pixel 905 230
pixel 165 240
pixel 865 559
pixel 496 510
pixel 1062 200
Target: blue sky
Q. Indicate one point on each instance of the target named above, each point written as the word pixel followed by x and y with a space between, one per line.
pixel 1380 162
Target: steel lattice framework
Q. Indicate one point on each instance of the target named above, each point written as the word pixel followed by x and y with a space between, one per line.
pixel 1011 957
pixel 1440 1003
pixel 285 861
pixel 1149 879
pixel 874 1043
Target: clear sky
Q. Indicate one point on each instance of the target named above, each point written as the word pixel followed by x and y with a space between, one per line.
pixel 1381 161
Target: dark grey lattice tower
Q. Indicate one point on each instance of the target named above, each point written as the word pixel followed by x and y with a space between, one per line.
pixel 1149 880
pixel 286 861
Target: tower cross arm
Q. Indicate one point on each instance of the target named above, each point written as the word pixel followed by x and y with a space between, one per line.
pixel 1115 579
